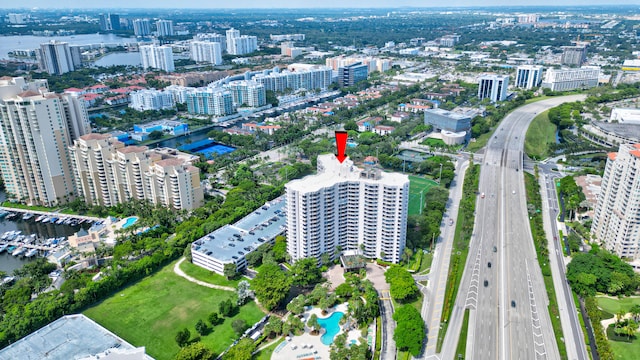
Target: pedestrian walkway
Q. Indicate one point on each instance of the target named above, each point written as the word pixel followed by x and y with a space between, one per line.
pixel 179 272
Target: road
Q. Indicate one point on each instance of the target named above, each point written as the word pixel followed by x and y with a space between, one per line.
pixel 576 345
pixel 388 348
pixel 508 300
pixel 434 292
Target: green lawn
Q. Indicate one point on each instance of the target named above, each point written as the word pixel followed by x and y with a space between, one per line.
pixel 207 276
pixel 425 265
pixel 480 142
pixel 624 350
pixel 150 313
pixel 434 142
pixel 265 354
pixel 614 305
pixel 462 341
pixel 541 132
pixel 416 185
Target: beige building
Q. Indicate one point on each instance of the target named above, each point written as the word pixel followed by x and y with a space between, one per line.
pixel 84 242
pixel 616 220
pixel 36 127
pixel 108 173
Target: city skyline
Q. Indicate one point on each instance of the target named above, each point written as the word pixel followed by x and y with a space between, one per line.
pixel 249 4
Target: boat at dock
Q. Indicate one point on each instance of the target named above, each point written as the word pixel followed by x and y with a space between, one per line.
pixel 31 252
pixel 27 216
pixel 3 247
pixel 19 251
pixel 3 214
pixel 40 218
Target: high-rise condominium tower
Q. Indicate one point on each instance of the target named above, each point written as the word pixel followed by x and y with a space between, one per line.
pixel 616 220
pixel 36 127
pixel 363 210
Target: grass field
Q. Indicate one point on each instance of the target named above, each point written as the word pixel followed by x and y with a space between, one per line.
pixel 265 354
pixel 624 350
pixel 614 305
pixel 150 313
pixel 207 276
pixel 541 132
pixel 416 185
pixel 461 350
pixel 480 142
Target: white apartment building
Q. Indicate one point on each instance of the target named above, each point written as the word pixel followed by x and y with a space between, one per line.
pixel 141 27
pixel 157 57
pixel 108 173
pixel 375 64
pixel 362 210
pixel 207 52
pixel 179 93
pixel 210 101
pixel 36 126
pixel 240 44
pixel 248 93
pixel 164 27
pixel 571 79
pixel 55 57
pixel 301 76
pixel 244 44
pixel 528 76
pixel 151 99
pixel 493 87
pixel 212 37
pixel 616 220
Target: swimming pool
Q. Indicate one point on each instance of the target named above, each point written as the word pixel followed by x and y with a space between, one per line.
pixel 130 221
pixel 332 327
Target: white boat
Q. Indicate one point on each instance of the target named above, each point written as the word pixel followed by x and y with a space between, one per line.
pixel 19 251
pixel 3 247
pixel 27 216
pixel 31 252
pixel 39 218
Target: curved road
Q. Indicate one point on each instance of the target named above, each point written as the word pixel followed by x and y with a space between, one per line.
pixel 507 299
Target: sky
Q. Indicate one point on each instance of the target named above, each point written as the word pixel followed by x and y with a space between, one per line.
pixel 214 4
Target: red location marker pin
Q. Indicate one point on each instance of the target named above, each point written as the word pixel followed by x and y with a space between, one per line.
pixel 341 145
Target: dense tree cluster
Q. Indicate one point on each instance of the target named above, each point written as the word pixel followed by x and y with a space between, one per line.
pixel 601 271
pixel 402 286
pixel 425 227
pixel 571 194
pixel 409 331
pixel 271 285
pixel 595 315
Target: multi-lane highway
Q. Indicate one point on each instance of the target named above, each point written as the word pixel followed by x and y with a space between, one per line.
pixel 502 284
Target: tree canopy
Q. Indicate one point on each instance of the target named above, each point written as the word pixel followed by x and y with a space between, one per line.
pixel 409 330
pixel 601 271
pixel 271 285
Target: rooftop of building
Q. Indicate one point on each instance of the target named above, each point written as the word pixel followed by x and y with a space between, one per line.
pixel 626 131
pixel 447 113
pixel 133 149
pixel 95 136
pixel 232 242
pixel 69 337
pixel 333 172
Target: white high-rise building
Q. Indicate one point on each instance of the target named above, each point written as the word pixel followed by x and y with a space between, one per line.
pixel 151 99
pixel 616 220
pixel 493 87
pixel 108 173
pixel 248 93
pixel 571 79
pixel 164 27
pixel 141 27
pixel 212 37
pixel 205 51
pixel 157 57
pixel 55 57
pixel 300 76
pixel 363 210
pixel 231 34
pixel 36 127
pixel 528 76
pixel 210 101
pixel 240 45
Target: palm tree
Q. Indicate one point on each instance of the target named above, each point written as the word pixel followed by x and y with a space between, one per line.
pixel 619 315
pixel 632 327
pixel 635 311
